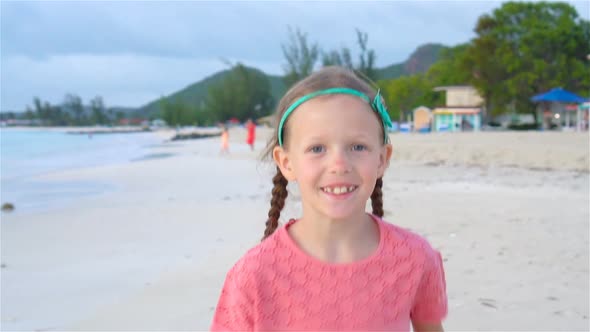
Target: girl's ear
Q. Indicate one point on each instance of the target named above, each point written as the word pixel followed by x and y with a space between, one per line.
pixel 384 158
pixel 281 158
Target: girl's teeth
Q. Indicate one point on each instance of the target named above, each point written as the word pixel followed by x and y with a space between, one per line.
pixel 339 190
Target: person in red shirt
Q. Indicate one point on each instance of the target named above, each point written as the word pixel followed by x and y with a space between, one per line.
pixel 251 137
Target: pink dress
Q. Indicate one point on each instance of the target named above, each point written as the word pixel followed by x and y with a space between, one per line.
pixel 276 286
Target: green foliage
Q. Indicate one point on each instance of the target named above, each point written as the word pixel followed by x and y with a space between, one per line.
pixel 193 94
pixel 119 115
pixel 334 58
pixel 29 115
pixel 7 116
pixel 277 86
pixel 73 105
pixel 178 113
pixel 523 49
pixel 449 70
pixel 197 94
pixel 404 94
pixel 301 57
pixel 71 112
pixel 98 115
pixel 243 94
pixel 367 57
pixel 366 64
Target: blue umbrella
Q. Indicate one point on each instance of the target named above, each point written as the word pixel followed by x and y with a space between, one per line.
pixel 559 95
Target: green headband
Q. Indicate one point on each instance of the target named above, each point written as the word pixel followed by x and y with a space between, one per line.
pixel 377 105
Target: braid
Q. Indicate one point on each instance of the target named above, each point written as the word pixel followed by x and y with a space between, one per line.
pixel 277 202
pixel 377 198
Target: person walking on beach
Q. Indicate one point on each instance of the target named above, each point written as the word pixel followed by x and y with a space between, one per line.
pixel 335 267
pixel 224 140
pixel 251 135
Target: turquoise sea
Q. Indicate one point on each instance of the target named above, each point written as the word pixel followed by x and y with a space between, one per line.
pixel 26 154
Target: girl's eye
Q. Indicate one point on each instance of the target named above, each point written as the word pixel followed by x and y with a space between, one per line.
pixel 317 149
pixel 359 147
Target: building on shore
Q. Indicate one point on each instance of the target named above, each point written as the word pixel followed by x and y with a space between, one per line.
pixel 462 110
pixel 422 119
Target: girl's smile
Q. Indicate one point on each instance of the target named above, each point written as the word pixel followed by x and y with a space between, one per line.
pixel 339 189
pixel 339 192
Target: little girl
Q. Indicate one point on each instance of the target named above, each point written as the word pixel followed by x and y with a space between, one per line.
pixel 336 267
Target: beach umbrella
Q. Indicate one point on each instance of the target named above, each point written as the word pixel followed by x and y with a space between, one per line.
pixel 558 95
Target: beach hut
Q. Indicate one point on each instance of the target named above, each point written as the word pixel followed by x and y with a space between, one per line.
pixel 557 103
pixel 462 110
pixel 422 119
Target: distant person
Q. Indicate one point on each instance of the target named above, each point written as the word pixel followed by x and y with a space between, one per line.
pixel 251 136
pixel 336 267
pixel 466 125
pixel 224 140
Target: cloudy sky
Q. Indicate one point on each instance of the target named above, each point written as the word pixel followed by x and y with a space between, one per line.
pixel 131 53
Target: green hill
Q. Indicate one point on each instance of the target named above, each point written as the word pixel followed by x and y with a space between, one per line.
pixel 192 94
pixel 418 62
pixel 196 93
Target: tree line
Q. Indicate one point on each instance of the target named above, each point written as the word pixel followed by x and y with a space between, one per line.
pixel 71 112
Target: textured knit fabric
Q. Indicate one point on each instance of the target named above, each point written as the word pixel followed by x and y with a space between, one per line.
pixel 277 286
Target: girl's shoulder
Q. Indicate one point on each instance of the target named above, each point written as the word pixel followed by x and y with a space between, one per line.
pixel 399 239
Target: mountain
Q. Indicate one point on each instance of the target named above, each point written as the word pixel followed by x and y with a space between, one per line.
pixel 418 62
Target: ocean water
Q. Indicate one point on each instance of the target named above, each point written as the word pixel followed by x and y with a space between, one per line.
pixel 26 154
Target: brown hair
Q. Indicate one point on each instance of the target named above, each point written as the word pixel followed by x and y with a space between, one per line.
pixel 327 77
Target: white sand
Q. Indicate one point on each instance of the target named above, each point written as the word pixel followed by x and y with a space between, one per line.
pixel 153 255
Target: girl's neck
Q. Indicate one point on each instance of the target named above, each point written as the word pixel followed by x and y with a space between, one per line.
pixel 336 241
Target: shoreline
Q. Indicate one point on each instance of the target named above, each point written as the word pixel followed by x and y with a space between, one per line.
pixel 535 150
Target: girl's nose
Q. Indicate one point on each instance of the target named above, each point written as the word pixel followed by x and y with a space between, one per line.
pixel 340 162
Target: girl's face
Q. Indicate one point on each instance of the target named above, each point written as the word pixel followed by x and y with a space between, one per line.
pixel 335 152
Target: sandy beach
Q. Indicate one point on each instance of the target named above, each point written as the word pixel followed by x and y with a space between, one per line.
pixel 509 212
